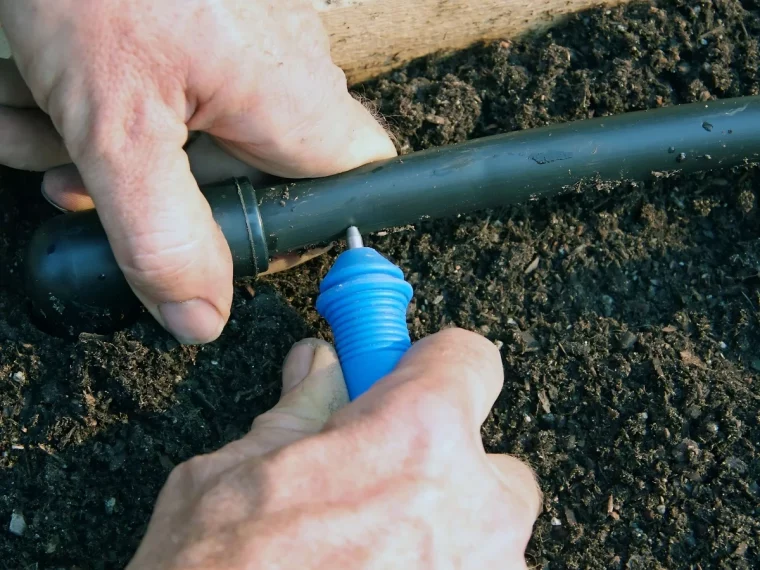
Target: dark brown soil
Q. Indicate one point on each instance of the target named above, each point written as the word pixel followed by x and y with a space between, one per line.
pixel 628 316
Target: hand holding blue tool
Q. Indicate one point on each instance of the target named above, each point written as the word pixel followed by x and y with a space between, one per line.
pixel 364 298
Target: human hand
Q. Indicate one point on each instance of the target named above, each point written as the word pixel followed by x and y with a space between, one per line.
pixel 115 87
pixel 397 479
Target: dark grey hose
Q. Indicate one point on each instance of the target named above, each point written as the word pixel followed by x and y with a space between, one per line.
pixel 72 274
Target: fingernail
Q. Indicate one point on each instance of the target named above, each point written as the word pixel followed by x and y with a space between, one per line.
pixel 297 365
pixel 50 200
pixel 192 322
pixel 64 188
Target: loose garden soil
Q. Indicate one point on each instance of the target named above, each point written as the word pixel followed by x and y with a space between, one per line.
pixel 628 317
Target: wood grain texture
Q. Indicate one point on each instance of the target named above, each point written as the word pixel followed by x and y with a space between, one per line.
pixel 369 37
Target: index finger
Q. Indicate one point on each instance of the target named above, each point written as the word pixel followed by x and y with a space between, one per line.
pixel 454 369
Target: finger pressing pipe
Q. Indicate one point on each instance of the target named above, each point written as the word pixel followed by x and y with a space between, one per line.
pixel 76 285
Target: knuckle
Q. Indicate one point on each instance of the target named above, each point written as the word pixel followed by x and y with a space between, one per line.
pixel 475 359
pixel 115 133
pixel 533 496
pixel 518 482
pixel 336 78
pixel 222 496
pixel 282 419
pixel 428 419
pixel 190 474
pixel 110 127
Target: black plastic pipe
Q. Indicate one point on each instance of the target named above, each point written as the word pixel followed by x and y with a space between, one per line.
pixel 71 271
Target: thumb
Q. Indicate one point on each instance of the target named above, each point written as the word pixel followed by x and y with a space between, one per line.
pixel 312 390
pixel 337 136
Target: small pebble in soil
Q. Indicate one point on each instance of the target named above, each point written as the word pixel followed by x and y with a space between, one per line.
pixel 694 411
pixel 737 465
pixel 110 505
pixel 741 549
pixel 712 427
pixel 638 533
pixel 681 157
pixel 628 340
pixel 687 450
pixel 548 420
pixel 17 525
pixel 556 522
pixel 19 377
pixel 608 304
pixel 746 201
pixel 661 509
pixel 52 545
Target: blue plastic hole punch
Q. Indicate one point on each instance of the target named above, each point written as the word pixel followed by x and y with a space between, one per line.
pixel 364 299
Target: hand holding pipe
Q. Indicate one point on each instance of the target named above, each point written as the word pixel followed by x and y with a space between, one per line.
pixel 72 274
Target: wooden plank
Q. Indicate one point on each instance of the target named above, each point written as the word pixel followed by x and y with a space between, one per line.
pixel 369 37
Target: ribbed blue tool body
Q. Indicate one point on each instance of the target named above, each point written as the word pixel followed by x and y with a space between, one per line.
pixel 364 298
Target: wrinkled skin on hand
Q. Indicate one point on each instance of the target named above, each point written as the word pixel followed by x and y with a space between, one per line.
pixel 115 87
pixel 397 479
